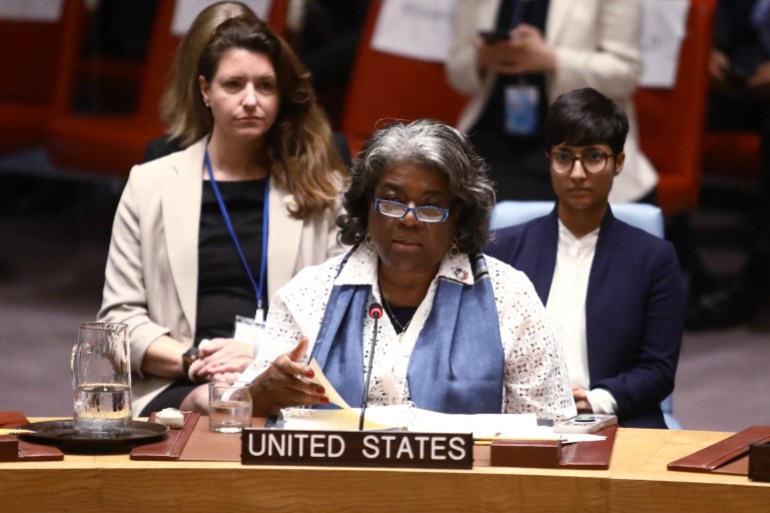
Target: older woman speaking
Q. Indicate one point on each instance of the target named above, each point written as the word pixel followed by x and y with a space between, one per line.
pixel 466 333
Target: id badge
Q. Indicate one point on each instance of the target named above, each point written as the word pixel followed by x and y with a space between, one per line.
pixel 522 109
pixel 250 331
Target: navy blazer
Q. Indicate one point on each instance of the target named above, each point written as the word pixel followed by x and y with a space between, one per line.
pixel 635 308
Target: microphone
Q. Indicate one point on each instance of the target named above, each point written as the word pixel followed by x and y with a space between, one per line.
pixel 375 312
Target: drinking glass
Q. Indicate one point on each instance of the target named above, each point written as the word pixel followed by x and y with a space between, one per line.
pixel 229 407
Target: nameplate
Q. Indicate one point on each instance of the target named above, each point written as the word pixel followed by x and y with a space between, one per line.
pixel 356 448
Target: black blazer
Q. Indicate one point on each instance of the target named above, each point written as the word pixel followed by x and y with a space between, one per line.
pixel 635 308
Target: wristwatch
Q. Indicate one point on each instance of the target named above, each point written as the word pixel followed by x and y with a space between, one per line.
pixel 188 357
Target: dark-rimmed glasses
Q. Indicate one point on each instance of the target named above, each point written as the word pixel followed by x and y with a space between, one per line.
pixel 424 213
pixel 593 161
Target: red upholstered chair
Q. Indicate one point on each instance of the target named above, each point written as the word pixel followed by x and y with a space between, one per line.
pixel 112 144
pixel 38 60
pixel 386 87
pixel 671 120
pixel 732 155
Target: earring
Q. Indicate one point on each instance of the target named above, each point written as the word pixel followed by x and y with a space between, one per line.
pixel 368 241
pixel 454 250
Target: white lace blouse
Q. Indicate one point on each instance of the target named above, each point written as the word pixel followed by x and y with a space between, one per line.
pixel 535 381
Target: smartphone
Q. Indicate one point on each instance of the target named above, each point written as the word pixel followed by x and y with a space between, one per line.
pixel 490 36
pixel 585 423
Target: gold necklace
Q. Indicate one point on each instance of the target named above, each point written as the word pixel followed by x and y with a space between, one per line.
pixel 401 327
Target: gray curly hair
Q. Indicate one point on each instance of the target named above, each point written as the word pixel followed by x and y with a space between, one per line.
pixel 433 145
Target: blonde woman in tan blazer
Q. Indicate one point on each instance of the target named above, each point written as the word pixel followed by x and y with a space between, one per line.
pixel 586 43
pixel 169 243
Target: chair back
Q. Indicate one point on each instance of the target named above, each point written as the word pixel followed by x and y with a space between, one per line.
pixel 641 215
pixel 384 87
pixel 39 55
pixel 671 120
pixel 735 155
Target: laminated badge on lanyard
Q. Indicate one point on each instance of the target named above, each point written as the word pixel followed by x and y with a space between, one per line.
pixel 247 329
pixel 522 100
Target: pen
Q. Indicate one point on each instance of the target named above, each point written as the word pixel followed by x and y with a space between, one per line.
pixel 16 432
pixel 489 440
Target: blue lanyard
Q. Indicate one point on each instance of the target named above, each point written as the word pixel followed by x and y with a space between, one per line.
pixel 518 13
pixel 260 315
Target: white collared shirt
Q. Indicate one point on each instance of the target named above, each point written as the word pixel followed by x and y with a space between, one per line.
pixel 567 312
pixel 535 372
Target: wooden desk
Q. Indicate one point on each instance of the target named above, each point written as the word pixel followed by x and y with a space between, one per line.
pixel 636 482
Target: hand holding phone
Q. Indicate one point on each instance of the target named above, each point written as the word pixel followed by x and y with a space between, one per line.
pixel 492 36
pixel 585 423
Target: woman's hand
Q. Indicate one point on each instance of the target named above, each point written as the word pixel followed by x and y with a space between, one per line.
pixel 759 83
pixel 220 359
pixel 581 400
pixel 525 52
pixel 286 383
pixel 718 66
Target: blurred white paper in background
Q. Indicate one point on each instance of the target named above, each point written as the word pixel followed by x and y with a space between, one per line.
pixel 186 11
pixel 417 29
pixel 31 10
pixel 663 29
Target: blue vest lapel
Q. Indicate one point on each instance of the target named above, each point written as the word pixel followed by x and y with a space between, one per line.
pixel 457 364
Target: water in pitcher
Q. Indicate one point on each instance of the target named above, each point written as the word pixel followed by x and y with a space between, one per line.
pixel 102 409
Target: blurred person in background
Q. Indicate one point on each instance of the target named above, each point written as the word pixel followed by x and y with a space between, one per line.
pixel 740 101
pixel 531 52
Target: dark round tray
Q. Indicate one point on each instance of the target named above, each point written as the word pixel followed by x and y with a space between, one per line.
pixel 62 434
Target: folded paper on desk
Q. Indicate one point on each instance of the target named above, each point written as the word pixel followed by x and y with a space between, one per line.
pixel 730 456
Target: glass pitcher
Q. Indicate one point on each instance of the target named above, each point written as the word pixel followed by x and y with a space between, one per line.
pixel 101 379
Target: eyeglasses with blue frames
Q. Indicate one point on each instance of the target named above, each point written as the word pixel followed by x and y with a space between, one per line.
pixel 593 161
pixel 398 210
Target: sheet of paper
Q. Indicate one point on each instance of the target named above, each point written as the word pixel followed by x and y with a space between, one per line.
pixel 318 377
pixel 186 11
pixel 344 419
pixel 481 425
pixel 663 28
pixel 417 29
pixel 400 416
pixel 31 10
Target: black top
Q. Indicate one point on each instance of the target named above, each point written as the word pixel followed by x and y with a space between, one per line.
pixel 224 288
pixel 493 118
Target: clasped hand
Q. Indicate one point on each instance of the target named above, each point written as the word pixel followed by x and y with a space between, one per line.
pixel 526 51
pixel 580 395
pixel 220 359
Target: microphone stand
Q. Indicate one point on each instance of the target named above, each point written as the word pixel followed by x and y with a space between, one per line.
pixel 375 312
